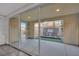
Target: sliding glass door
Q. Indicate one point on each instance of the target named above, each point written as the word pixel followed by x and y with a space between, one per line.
pixel 29 31
pixel 37 33
pixel 51 32
pixel 43 30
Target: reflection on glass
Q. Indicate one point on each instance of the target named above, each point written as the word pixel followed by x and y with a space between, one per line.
pixel 46 31
pixel 14 32
pixel 29 32
pixel 50 29
pixel 23 30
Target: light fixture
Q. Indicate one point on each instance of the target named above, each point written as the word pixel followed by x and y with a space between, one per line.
pixel 29 17
pixel 57 10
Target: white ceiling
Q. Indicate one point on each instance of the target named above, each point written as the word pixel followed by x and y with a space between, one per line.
pixel 10 9
pixel 49 11
pixel 7 8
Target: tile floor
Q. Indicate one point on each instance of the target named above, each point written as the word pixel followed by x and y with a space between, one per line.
pixel 47 48
pixel 6 50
